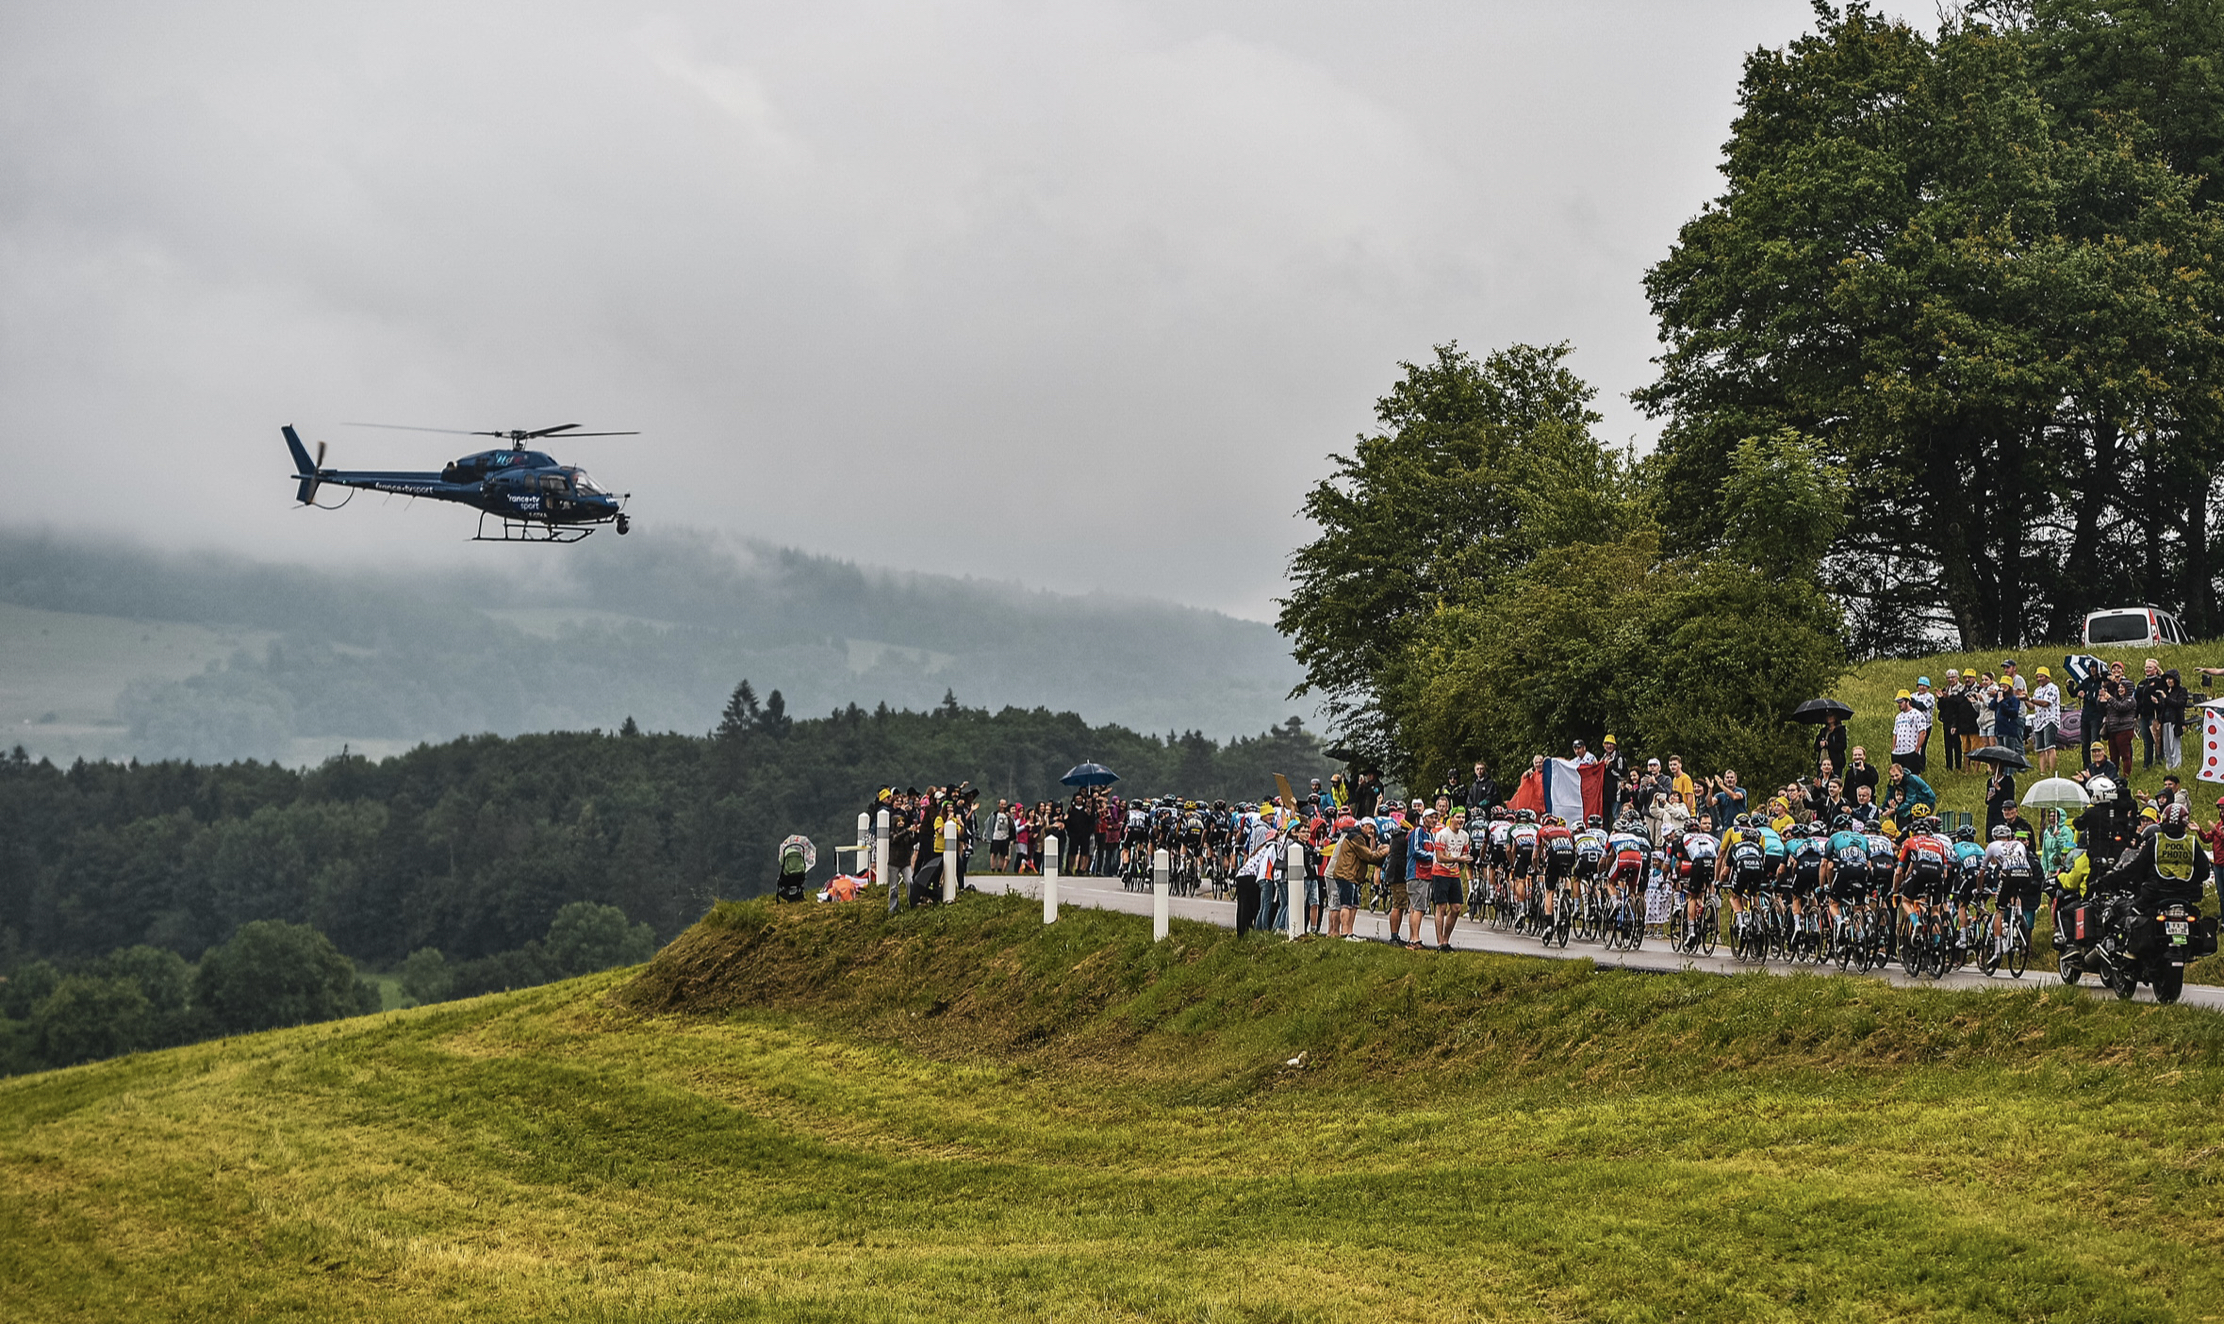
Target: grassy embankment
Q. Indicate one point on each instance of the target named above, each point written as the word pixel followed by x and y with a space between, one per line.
pixel 823 1113
pixel 1869 688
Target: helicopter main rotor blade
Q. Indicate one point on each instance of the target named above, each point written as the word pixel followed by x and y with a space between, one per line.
pixel 569 436
pixel 404 427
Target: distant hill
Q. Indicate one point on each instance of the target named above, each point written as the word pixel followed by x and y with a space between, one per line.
pixel 110 650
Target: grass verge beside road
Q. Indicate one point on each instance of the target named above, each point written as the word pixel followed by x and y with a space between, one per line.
pixel 825 1113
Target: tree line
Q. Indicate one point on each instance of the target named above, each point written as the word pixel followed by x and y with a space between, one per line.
pixel 455 862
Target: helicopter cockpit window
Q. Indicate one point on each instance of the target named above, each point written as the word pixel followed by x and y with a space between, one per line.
pixel 584 483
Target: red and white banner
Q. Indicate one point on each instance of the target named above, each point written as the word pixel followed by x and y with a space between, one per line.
pixel 2211 752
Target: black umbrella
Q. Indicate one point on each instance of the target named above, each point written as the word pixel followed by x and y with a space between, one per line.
pixel 1090 774
pixel 1343 755
pixel 1815 712
pixel 2000 754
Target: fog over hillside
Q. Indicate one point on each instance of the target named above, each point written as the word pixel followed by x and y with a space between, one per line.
pixel 111 650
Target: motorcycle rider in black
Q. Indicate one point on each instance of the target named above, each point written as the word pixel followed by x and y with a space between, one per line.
pixel 2168 866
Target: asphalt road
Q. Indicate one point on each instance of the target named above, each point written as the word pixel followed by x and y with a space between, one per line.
pixel 1107 894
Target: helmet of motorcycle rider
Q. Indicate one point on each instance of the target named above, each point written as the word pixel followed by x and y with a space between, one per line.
pixel 2100 788
pixel 2175 818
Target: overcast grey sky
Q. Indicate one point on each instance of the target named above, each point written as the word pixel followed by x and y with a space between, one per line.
pixel 1075 294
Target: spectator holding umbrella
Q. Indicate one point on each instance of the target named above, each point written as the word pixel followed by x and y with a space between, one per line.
pixel 2000 791
pixel 1830 743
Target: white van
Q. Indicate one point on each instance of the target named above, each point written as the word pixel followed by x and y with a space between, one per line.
pixel 2133 626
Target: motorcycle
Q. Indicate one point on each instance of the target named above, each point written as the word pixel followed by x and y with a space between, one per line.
pixel 2110 939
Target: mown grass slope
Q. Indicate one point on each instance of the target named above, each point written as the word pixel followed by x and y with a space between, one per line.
pixel 824 1113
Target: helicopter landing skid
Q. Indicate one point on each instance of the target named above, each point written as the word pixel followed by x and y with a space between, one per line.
pixel 521 530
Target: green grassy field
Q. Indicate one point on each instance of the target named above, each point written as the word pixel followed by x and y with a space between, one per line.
pixel 1869 688
pixel 825 1114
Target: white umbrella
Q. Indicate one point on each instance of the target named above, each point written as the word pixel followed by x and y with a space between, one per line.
pixel 810 852
pixel 2055 793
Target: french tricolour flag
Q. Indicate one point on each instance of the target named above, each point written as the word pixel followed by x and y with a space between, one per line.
pixel 1564 787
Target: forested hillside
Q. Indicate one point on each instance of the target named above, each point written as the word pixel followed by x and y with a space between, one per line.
pixel 293 662
pixel 473 845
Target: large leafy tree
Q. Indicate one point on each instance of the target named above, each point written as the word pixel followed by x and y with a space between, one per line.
pixel 1477 466
pixel 1996 319
pixel 1699 652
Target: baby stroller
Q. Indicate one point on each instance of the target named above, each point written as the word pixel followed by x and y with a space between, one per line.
pixel 797 857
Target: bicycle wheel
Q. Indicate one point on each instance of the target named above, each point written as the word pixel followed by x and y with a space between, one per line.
pixel 2019 950
pixel 1911 952
pixel 1710 926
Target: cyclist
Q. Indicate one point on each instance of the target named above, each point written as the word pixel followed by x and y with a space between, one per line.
pixel 1884 860
pixel 2014 877
pixel 1802 876
pixel 1521 844
pixel 1845 867
pixel 1556 852
pixel 1590 849
pixel 1743 864
pixel 1136 840
pixel 1924 862
pixel 1772 846
pixel 1625 855
pixel 1968 888
pixel 1695 853
pixel 1501 850
pixel 1191 862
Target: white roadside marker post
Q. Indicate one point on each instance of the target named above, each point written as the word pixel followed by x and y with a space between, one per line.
pixel 949 860
pixel 1050 880
pixel 1162 880
pixel 882 868
pixel 1294 892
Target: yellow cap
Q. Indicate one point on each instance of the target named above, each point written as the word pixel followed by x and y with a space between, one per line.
pixel 1888 827
pixel 1903 694
pixel 1609 739
pixel 2044 672
pixel 2149 813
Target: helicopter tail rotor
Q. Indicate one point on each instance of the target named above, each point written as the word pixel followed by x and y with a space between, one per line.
pixel 308 471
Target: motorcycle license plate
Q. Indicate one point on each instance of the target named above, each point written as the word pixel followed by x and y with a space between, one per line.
pixel 2177 929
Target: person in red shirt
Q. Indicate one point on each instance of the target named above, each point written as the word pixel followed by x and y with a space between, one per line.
pixel 2214 836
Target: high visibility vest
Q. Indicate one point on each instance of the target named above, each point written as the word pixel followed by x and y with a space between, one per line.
pixel 2174 856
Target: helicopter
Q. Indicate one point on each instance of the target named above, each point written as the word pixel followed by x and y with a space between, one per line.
pixel 531 496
